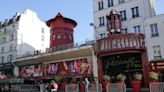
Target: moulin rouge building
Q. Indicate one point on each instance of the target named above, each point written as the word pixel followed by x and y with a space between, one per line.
pixel 121 53
pixel 129 43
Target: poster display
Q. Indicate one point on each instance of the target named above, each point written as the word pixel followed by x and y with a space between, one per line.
pixel 72 67
pixel 31 71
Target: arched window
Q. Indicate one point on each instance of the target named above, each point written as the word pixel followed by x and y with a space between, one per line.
pixel 71 38
pixel 65 36
pixel 53 36
pixel 59 36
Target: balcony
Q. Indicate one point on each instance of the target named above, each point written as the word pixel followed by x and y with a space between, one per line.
pixel 120 43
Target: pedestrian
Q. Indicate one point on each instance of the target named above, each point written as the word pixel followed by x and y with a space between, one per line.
pixel 87 83
pixel 54 86
pixel 47 86
pixel 41 86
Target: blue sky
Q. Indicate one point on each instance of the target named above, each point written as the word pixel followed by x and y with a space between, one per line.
pixel 79 10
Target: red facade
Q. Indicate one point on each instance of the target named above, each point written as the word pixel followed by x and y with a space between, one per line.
pixel 61 31
pixel 121 53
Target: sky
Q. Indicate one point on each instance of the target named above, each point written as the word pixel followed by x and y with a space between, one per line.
pixel 78 10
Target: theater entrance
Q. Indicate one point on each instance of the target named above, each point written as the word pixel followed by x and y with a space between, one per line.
pixel 127 64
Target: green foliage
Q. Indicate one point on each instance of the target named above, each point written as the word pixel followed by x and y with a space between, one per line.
pixel 137 76
pixel 153 75
pixel 106 78
pixel 121 77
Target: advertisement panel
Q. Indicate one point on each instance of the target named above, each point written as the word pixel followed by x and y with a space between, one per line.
pixel 72 67
pixel 31 71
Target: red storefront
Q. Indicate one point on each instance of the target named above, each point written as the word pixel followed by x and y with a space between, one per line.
pixel 121 53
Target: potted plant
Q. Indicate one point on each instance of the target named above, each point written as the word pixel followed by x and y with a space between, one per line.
pixel 105 82
pixel 153 76
pixel 136 83
pixel 106 78
pixel 121 78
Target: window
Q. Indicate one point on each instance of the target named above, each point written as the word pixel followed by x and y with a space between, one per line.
pixel 125 30
pixel 13 26
pixel 137 29
pixel 157 52
pixel 2 59
pixel 123 15
pixel 101 21
pixel 102 35
pixel 154 30
pixel 5 30
pixel 2 50
pixel 135 12
pixel 42 37
pixel 101 5
pixel 11 37
pixel 53 37
pixel 10 58
pixel 65 36
pixel 71 38
pixel 4 39
pixel 121 1
pixel 42 30
pixel 11 47
pixel 42 45
pixel 110 3
pixel 59 36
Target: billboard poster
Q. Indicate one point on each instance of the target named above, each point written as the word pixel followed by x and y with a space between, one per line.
pixel 72 67
pixel 31 71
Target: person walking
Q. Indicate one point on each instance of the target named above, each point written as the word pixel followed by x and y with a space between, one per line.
pixel 41 86
pixel 54 86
